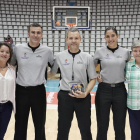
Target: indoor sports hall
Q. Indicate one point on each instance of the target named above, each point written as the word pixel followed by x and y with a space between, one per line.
pixel 91 17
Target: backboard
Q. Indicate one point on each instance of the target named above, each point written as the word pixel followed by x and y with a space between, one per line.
pixel 68 16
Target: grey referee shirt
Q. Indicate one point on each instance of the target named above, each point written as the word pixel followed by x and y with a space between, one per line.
pixel 79 67
pixel 112 64
pixel 31 65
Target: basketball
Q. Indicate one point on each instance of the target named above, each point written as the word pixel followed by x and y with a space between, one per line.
pixel 58 23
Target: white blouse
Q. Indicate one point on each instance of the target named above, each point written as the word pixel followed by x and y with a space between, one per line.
pixel 7 86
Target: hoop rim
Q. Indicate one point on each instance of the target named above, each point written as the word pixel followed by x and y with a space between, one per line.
pixel 71 24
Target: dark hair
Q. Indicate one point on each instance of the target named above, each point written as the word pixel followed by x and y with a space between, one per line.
pixel 111 28
pixel 10 50
pixel 72 29
pixel 34 25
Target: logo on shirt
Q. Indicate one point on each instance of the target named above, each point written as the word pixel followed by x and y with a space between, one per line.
pixel 66 62
pixel 79 62
pixel 119 56
pixel 25 57
pixel 39 56
pixel 107 56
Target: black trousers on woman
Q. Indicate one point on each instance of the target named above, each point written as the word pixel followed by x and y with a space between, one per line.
pixel 66 107
pixel 111 97
pixel 33 98
pixel 5 115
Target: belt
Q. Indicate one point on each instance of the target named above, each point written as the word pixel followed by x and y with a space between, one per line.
pixel 64 90
pixel 4 101
pixel 113 84
pixel 30 86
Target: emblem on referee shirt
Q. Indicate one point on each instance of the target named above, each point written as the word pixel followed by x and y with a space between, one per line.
pixel 107 56
pixel 25 57
pixel 66 62
pixel 79 62
pixel 39 56
pixel 119 56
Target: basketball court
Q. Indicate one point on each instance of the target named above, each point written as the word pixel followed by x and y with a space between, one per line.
pixel 52 117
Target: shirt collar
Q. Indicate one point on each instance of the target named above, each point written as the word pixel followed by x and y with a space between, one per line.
pixel 9 66
pixel 73 54
pixel 33 48
pixel 114 49
pixel 133 63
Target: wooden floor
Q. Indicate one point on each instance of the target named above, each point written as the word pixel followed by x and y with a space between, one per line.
pixel 51 127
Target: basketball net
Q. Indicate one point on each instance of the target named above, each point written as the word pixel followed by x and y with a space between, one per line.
pixel 70 25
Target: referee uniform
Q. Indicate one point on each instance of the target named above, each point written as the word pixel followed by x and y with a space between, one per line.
pixel 74 67
pixel 111 93
pixel 30 90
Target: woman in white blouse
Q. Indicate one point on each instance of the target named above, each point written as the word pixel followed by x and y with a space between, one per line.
pixel 7 87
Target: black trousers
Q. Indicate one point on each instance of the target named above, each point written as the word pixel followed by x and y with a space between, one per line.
pixel 134 120
pixel 66 107
pixel 33 98
pixel 5 115
pixel 111 97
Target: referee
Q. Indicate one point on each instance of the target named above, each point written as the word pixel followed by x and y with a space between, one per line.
pixel 32 59
pixel 111 92
pixel 74 66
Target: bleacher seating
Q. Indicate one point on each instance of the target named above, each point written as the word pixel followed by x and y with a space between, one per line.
pixel 16 15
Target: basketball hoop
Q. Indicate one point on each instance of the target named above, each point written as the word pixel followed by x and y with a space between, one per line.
pixel 70 25
pixel 65 17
